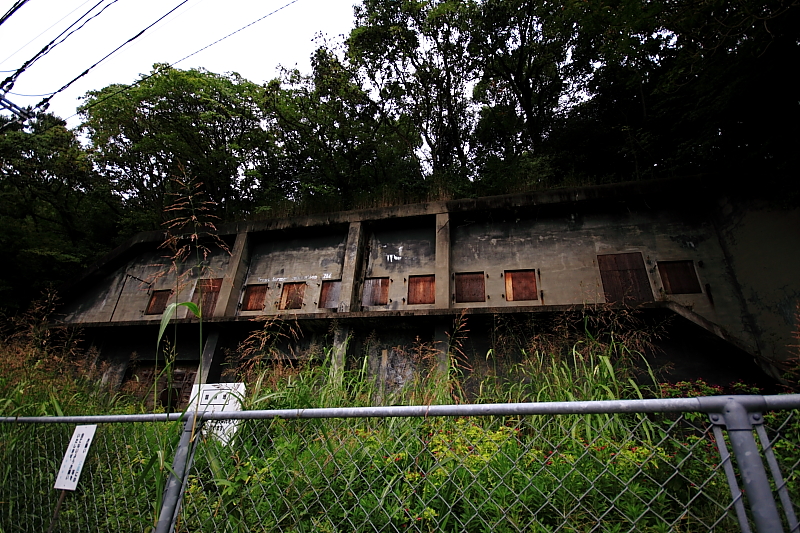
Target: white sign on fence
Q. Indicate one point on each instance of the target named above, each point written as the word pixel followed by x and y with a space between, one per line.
pixel 72 464
pixel 215 397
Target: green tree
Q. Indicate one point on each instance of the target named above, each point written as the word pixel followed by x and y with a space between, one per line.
pixel 56 213
pixel 338 145
pixel 175 123
pixel 415 57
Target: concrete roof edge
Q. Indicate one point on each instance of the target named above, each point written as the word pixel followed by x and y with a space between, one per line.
pixel 544 197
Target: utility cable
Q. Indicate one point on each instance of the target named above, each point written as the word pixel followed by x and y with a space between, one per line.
pixel 42 33
pixel 46 102
pixel 31 95
pixel 12 10
pixel 8 83
pixel 235 32
pixel 166 67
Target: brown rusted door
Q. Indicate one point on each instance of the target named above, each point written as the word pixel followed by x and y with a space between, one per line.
pixel 421 289
pixel 625 278
pixel 205 295
pixel 521 285
pixel 329 298
pixel 254 296
pixel 292 295
pixel 376 292
pixel 158 302
pixel 679 277
pixel 470 287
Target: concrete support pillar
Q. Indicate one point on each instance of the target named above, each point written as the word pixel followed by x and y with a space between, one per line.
pixel 443 277
pixel 351 269
pixel 234 277
pixel 341 338
pixel 207 358
pixel 441 340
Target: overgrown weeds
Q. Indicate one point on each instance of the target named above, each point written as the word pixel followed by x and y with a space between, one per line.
pixel 44 371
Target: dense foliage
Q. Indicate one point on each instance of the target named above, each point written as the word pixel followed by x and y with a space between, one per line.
pixel 620 472
pixel 423 100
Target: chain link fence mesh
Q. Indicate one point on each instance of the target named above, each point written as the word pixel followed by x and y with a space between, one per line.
pixel 119 488
pixel 533 473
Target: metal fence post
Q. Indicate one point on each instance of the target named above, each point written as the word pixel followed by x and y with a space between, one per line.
pixel 180 466
pixel 733 413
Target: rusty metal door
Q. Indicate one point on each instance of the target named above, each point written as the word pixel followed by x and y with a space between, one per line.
pixel 470 287
pixel 329 297
pixel 158 302
pixel 521 285
pixel 254 296
pixel 421 289
pixel 679 277
pixel 292 295
pixel 625 278
pixel 205 295
pixel 376 292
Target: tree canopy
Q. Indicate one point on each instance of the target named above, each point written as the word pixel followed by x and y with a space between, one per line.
pixel 425 99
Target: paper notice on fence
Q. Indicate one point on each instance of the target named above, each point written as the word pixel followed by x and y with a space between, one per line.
pixel 72 464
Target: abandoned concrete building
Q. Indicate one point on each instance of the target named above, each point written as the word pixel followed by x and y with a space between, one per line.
pixel 724 269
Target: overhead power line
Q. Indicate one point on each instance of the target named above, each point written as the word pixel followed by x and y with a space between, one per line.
pixel 162 69
pixel 21 114
pixel 42 33
pixel 235 32
pixel 30 95
pixel 8 83
pixel 44 103
pixel 18 4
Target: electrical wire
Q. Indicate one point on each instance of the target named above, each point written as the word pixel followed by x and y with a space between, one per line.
pixel 235 32
pixel 46 102
pixel 12 10
pixel 8 83
pixel 162 69
pixel 30 95
pixel 42 33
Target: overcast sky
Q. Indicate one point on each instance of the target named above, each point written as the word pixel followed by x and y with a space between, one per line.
pixel 285 37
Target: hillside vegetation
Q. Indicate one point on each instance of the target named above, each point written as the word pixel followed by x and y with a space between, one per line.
pixel 423 100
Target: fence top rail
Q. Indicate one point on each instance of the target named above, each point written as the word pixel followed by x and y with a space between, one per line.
pixel 707 404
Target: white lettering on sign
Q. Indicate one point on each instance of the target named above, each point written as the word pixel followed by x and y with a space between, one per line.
pixel 72 464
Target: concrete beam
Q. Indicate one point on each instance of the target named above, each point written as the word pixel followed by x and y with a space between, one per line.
pixel 351 269
pixel 207 358
pixel 442 272
pixel 341 338
pixel 441 342
pixel 234 278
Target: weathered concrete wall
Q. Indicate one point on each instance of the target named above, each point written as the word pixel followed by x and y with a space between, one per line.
pixel 399 252
pixel 124 295
pixel 563 250
pixel 743 260
pixel 310 260
pixel 762 244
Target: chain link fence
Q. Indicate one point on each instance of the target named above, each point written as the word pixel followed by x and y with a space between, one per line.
pixel 646 465
pixel 123 478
